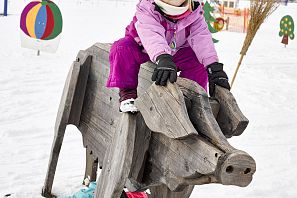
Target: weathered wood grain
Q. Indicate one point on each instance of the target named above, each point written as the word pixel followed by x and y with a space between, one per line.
pixel 164 111
pixel 91 166
pixel 171 161
pixel 60 126
pixel 118 159
pixel 236 168
pixel 230 118
pixel 84 60
pixel 141 146
pixel 201 114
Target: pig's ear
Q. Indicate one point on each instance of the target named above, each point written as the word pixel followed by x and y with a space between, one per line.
pixel 230 118
pixel 164 111
pixel 201 112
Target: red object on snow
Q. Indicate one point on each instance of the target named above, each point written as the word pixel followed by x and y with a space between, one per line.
pixel 136 195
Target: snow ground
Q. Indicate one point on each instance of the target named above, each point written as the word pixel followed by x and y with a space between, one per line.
pixel 31 87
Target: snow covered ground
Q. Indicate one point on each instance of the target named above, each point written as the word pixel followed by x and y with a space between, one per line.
pixel 31 86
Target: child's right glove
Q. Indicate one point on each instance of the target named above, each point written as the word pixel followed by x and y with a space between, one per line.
pixel 166 69
pixel 216 76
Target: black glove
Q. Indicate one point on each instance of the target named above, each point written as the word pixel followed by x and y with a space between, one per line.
pixel 216 76
pixel 166 69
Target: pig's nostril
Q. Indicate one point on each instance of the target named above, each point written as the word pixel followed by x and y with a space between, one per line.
pixel 247 171
pixel 229 169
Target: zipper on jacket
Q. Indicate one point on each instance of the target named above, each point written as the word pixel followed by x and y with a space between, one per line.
pixel 173 40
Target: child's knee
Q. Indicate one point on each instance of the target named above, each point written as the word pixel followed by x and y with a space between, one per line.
pixel 123 45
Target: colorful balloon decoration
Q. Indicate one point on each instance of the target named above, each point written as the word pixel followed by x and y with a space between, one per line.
pixel 219 24
pixel 41 20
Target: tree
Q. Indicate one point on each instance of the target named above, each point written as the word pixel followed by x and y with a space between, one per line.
pixel 209 18
pixel 286 29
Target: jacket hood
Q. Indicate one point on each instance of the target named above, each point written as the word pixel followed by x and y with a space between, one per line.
pixel 194 15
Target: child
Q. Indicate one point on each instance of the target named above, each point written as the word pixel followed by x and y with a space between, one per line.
pixel 174 35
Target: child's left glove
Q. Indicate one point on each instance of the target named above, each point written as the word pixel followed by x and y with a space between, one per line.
pixel 216 76
pixel 166 69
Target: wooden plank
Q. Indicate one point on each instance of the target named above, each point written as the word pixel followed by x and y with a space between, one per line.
pixel 118 159
pixel 230 118
pixel 91 167
pixel 91 138
pixel 104 46
pixel 85 61
pixel 105 102
pixel 164 111
pixel 141 146
pixel 60 125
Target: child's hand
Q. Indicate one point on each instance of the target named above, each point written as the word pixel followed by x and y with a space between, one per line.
pixel 216 76
pixel 166 69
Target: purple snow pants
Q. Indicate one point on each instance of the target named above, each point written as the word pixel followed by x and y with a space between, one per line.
pixel 126 56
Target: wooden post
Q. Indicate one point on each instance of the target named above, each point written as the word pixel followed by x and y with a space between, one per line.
pixel 60 127
pixel 91 167
pixel 69 96
pixel 118 159
pixel 227 23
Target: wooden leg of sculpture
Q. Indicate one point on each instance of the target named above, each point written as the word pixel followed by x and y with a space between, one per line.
pixel 60 126
pixel 91 167
pixel 118 159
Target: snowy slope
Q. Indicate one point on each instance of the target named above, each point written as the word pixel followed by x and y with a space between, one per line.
pixel 31 86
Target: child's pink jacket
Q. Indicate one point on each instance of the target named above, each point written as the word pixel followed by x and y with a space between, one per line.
pixel 155 33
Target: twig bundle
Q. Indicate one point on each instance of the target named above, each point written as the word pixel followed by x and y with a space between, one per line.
pixel 259 11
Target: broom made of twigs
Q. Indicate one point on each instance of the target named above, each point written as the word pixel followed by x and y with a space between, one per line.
pixel 259 10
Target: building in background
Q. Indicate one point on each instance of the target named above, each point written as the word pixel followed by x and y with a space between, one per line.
pixel 235 4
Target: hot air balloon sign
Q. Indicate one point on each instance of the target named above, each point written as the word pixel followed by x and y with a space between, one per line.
pixel 41 26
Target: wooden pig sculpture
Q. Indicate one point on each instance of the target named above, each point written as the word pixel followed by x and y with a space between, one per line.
pixel 176 141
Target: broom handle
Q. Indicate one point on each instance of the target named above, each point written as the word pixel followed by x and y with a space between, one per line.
pixel 237 68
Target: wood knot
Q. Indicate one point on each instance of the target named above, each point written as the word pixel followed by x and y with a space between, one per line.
pixel 111 122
